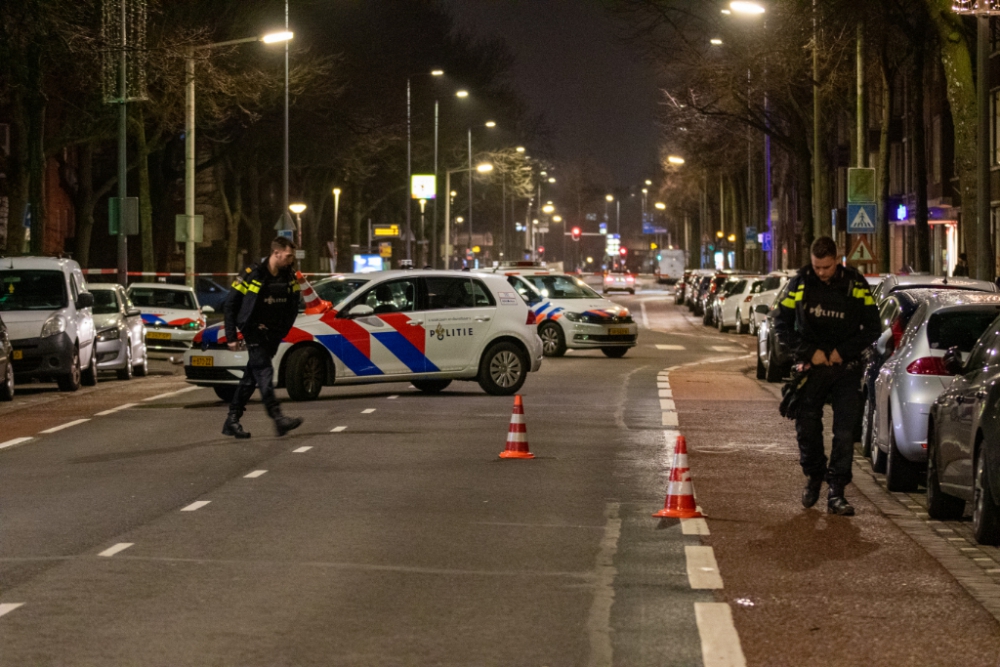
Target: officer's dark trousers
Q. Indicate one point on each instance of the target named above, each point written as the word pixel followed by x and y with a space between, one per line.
pixel 841 385
pixel 259 373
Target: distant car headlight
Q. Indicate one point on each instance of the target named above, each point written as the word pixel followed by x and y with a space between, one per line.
pixel 573 317
pixel 56 324
pixel 108 334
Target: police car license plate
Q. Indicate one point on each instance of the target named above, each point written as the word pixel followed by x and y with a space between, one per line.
pixel 18 354
pixel 158 335
pixel 202 361
pixel 618 332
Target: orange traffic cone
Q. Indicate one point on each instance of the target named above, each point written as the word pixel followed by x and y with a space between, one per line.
pixel 680 492
pixel 314 304
pixel 517 435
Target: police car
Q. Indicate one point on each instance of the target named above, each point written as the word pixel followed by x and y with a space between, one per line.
pixel 571 315
pixel 424 327
pixel 171 313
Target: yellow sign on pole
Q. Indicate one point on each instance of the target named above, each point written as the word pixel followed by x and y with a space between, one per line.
pixel 385 249
pixel 386 231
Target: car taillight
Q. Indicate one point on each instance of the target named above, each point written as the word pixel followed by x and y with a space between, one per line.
pixel 897 331
pixel 531 317
pixel 721 299
pixel 748 299
pixel 928 366
pixel 630 279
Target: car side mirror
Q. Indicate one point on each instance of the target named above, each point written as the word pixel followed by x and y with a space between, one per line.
pixel 761 309
pixel 207 309
pixel 953 361
pixel 883 342
pixel 133 312
pixel 361 310
pixel 85 300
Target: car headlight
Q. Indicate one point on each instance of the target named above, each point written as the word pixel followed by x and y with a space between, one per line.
pixel 573 317
pixel 54 325
pixel 109 334
pixel 192 325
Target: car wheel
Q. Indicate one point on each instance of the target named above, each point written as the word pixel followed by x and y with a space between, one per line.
pixel 142 370
pixel 89 376
pixel 761 370
pixel 126 372
pixel 631 291
pixel 7 387
pixel 878 457
pixel 867 415
pixel 225 392
pixel 305 374
pixel 706 317
pixel 739 324
pixel 901 474
pixel 752 325
pixel 614 352
pixel 71 381
pixel 773 373
pixel 985 512
pixel 553 340
pixel 940 505
pixel 503 369
pixel 431 386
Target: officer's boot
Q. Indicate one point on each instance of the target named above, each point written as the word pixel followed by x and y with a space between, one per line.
pixel 836 503
pixel 232 426
pixel 283 424
pixel 810 494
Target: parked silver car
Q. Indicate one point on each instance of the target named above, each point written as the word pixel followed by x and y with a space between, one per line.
pixel 914 376
pixel 892 282
pixel 121 335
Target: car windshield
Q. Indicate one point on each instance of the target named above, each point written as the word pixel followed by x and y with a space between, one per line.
pixel 32 290
pixel 149 297
pixel 562 287
pixel 336 290
pixel 961 328
pixel 770 283
pixel 105 301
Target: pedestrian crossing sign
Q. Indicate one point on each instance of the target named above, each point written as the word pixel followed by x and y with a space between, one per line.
pixel 861 253
pixel 861 218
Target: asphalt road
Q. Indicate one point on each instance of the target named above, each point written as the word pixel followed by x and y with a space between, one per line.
pixel 386 530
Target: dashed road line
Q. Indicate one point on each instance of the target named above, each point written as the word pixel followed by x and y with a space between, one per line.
pixel 56 429
pixel 170 393
pixel 118 548
pixel 670 419
pixel 114 410
pixel 393 397
pixel 667 405
pixel 674 348
pixel 368 411
pixel 694 527
pixel 666 393
pixel 8 607
pixel 663 385
pixel 338 429
pixel 702 570
pixel 725 348
pixel 254 474
pixel 720 643
pixel 645 320
pixel 15 441
pixel 301 450
pixel 197 505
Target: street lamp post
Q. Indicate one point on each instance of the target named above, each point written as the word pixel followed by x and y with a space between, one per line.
pixel 189 146
pixel 409 152
pixel 482 169
pixel 336 216
pixel 298 209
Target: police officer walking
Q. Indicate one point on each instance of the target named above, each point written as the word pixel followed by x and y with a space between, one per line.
pixel 263 305
pixel 827 321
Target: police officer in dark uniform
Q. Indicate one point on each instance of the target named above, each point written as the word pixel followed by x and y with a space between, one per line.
pixel 827 321
pixel 263 305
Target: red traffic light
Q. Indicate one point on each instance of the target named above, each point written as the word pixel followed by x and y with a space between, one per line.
pixel 576 233
pixel 541 249
pixel 623 251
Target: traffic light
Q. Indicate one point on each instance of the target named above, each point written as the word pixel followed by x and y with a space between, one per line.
pixel 576 233
pixel 623 251
pixel 541 250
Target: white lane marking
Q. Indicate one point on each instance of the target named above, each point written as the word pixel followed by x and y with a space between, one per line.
pixel 670 347
pixel 254 474
pixel 301 450
pixel 338 429
pixel 725 348
pixel 197 505
pixel 694 527
pixel 670 419
pixel 663 385
pixel 667 404
pixel 666 393
pixel 368 411
pixel 171 393
pixel 703 571
pixel 645 320
pixel 55 429
pixel 8 607
pixel 720 643
pixel 394 396
pixel 599 619
pixel 114 410
pixel 15 441
pixel 121 546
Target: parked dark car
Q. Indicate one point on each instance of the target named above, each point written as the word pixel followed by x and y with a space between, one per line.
pixel 963 440
pixel 700 288
pixel 6 365
pixel 774 361
pixel 714 288
pixel 210 293
pixel 681 287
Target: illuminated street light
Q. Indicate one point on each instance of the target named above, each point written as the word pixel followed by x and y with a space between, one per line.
pixel 437 72
pixel 548 209
pixel 275 37
pixel 557 218
pixel 660 206
pixel 720 234
pixel 715 42
pixel 297 209
pixel 491 123
pixel 674 159
pixel 745 7
pixel 484 168
pixel 732 238
pixel 610 198
pixel 649 182
pixel 520 149
pixel 461 93
pixel 552 180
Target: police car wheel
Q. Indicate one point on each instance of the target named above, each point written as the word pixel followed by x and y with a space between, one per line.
pixel 431 386
pixel 7 388
pixel 614 352
pixel 553 340
pixel 503 369
pixel 305 375
pixel 225 392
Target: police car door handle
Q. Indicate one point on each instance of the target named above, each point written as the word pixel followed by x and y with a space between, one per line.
pixel 482 319
pixel 415 323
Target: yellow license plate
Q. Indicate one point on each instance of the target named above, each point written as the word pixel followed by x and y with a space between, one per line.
pixel 18 354
pixel 157 335
pixel 618 332
pixel 202 361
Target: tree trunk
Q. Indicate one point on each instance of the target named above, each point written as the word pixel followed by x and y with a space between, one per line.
pixel 232 213
pixel 253 220
pixel 923 254
pixel 804 204
pixel 84 203
pixel 145 201
pixel 18 176
pixel 35 110
pixel 882 231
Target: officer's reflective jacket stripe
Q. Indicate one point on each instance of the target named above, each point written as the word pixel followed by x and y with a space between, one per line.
pixel 792 326
pixel 242 299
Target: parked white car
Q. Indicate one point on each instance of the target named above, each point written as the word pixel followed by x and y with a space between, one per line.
pixel 171 314
pixel 47 309
pixel 773 282
pixel 121 334
pixel 733 308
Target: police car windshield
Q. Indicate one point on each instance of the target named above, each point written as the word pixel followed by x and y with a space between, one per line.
pixel 336 290
pixel 32 290
pixel 148 297
pixel 562 287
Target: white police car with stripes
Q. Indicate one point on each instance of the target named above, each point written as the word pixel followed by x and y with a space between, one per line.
pixel 424 327
pixel 571 315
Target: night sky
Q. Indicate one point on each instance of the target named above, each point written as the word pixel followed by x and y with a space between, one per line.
pixel 596 93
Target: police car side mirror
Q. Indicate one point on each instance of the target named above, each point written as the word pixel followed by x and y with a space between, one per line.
pixel 361 310
pixel 953 361
pixel 207 309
